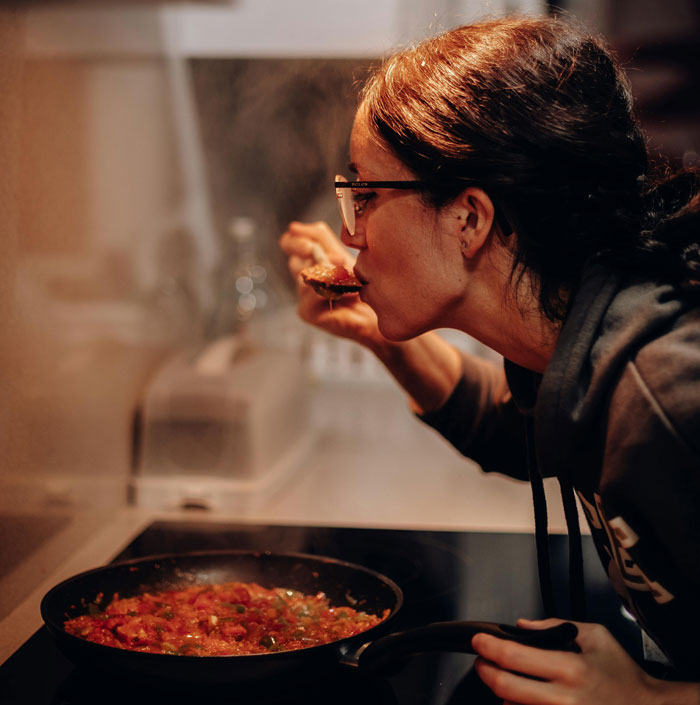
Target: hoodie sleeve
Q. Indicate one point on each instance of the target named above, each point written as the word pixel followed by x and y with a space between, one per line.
pixel 480 419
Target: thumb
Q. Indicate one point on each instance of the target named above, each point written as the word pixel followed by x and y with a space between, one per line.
pixel 539 623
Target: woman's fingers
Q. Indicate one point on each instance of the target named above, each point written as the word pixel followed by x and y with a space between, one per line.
pixel 513 687
pixel 320 232
pixel 540 663
pixel 299 240
pixel 540 623
pixel 602 673
pixel 297 246
pixel 590 635
pixel 346 317
pixel 296 263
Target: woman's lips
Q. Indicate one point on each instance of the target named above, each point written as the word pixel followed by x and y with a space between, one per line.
pixel 364 290
pixel 358 275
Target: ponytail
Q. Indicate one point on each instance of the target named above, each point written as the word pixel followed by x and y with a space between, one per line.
pixel 670 236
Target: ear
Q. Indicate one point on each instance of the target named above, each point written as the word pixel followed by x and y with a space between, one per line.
pixel 475 213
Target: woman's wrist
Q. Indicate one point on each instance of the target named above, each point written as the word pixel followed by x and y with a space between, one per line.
pixel 388 352
pixel 674 692
pixel 427 367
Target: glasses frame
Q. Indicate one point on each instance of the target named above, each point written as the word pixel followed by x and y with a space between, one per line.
pixel 378 184
pixel 502 220
pixel 405 185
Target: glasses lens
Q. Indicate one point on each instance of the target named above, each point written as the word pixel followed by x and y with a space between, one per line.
pixel 345 205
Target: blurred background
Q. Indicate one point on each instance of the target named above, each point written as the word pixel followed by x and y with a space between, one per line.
pixel 152 154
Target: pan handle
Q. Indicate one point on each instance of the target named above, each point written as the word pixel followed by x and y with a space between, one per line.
pixel 457 636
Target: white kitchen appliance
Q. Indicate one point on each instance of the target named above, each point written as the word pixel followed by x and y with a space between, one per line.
pixel 229 423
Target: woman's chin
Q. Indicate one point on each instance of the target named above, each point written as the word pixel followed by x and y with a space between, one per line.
pixel 392 327
pixel 391 331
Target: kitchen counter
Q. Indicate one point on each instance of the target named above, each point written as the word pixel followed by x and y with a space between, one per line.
pixel 442 575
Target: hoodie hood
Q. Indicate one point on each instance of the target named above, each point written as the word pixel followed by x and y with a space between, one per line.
pixel 609 321
pixel 606 326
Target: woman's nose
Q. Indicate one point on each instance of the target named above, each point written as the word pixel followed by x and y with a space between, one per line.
pixel 355 241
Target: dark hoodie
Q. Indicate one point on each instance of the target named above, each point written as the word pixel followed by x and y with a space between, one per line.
pixel 615 417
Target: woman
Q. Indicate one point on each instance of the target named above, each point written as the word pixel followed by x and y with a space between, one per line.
pixel 527 219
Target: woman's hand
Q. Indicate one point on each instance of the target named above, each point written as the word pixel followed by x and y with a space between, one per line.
pixel 347 317
pixel 602 673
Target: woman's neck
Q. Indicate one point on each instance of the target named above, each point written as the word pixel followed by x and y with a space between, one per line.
pixel 527 339
pixel 530 341
pixel 509 321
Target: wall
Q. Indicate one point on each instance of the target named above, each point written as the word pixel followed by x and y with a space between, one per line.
pixel 112 244
pixel 89 188
pixel 659 44
pixel 10 76
pixel 236 28
pixel 115 202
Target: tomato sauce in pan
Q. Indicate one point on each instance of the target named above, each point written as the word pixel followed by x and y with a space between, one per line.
pixel 219 620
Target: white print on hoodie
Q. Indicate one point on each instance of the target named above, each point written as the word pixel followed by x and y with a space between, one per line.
pixel 620 538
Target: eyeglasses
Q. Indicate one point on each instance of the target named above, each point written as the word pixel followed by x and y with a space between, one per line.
pixel 351 205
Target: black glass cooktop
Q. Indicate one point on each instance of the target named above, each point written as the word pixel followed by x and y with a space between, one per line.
pixel 444 575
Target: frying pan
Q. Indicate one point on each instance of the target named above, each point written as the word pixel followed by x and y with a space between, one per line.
pixel 345 584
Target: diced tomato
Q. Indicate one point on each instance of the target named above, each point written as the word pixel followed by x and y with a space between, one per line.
pixel 236 594
pixel 233 631
pixel 220 619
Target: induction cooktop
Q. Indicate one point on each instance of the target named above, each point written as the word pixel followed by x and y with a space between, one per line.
pixel 444 575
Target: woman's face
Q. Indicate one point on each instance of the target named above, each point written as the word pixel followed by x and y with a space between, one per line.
pixel 409 254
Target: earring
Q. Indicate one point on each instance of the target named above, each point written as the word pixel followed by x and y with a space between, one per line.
pixel 464 246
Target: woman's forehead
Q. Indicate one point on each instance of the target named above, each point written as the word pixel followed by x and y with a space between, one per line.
pixel 370 157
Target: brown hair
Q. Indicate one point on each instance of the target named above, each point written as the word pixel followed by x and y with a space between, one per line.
pixel 538 114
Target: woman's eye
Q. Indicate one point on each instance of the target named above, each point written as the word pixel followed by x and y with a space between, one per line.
pixel 362 198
